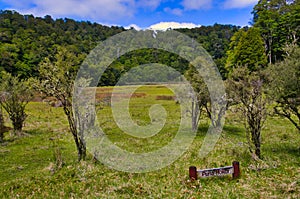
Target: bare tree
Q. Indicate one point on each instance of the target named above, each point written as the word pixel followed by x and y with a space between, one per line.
pixel 201 101
pixel 200 95
pixel 247 91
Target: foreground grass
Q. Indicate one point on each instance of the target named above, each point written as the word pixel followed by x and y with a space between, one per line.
pixel 43 162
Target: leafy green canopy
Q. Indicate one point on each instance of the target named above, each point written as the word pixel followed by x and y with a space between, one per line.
pixel 26 40
pixel 278 21
pixel 246 49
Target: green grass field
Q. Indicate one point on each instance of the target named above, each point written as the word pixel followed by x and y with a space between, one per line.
pixel 43 163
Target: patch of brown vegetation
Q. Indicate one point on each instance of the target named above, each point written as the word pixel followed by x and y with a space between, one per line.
pixel 101 96
pixel 165 97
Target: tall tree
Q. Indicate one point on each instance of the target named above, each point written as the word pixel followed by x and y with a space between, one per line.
pixel 232 51
pixel 247 49
pixel 278 21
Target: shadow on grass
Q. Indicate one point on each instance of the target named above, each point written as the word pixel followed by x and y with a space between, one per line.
pixel 228 129
pixel 9 137
pixel 34 132
pixel 202 130
pixel 283 149
pixel 233 130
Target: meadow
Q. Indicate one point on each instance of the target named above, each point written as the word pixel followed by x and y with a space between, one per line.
pixel 43 162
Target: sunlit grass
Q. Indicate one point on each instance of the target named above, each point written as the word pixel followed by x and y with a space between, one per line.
pixel 27 164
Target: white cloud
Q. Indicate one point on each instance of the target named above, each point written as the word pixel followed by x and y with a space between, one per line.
pixel 98 10
pixel 152 4
pixel 228 4
pixel 136 27
pixel 196 4
pixel 172 25
pixel 175 11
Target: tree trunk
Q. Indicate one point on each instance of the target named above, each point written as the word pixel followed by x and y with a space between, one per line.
pixel 17 118
pixel 195 115
pixel 1 125
pixel 257 141
pixel 80 144
pixel 81 150
pixel 18 126
pixel 257 150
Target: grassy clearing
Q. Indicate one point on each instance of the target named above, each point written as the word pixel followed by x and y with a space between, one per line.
pixel 43 162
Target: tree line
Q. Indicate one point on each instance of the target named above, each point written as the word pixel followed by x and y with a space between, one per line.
pixel 26 40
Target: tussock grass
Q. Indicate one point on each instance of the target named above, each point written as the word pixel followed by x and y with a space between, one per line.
pixel 43 163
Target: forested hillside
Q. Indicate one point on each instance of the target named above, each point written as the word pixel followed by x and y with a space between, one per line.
pixel 26 40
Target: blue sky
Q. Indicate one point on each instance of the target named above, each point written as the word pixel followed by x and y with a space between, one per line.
pixel 140 13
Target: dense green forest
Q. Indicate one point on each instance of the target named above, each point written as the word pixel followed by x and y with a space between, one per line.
pixel 26 40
